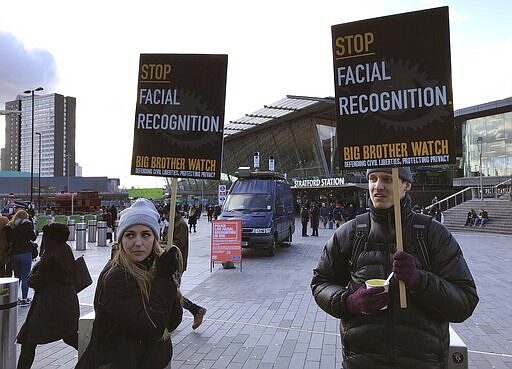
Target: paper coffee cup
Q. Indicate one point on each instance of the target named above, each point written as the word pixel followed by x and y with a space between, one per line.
pixel 372 283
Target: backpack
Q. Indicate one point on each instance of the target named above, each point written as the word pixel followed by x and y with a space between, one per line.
pixel 420 225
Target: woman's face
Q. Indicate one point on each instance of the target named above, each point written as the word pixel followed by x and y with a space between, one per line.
pixel 138 242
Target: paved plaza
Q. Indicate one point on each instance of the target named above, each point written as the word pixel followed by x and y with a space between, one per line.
pixel 263 315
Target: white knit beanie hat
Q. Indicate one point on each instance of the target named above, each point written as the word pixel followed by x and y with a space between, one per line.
pixel 143 212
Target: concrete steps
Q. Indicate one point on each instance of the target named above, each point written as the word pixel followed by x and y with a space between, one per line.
pixel 500 216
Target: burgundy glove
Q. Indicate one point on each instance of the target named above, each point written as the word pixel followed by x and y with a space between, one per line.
pixel 367 301
pixel 405 269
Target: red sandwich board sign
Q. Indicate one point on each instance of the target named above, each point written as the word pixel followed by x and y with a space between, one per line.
pixel 226 241
pixel 392 78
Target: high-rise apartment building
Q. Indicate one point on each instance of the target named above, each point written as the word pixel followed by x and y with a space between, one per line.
pixel 54 135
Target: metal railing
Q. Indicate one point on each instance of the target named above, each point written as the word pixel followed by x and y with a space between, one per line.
pixel 469 193
pixel 453 200
pixel 502 188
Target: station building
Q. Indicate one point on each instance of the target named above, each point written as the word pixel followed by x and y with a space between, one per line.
pixel 299 134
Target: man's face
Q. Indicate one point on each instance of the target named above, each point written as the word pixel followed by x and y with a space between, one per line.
pixel 381 189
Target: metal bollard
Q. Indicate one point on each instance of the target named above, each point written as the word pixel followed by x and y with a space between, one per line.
pixel 71 227
pixel 92 230
pixel 81 230
pixel 116 225
pixel 9 318
pixel 102 233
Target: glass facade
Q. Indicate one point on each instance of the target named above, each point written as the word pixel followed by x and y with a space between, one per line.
pixel 303 144
pixel 496 145
pixel 26 132
pixel 54 120
pixel 294 145
pixel 44 116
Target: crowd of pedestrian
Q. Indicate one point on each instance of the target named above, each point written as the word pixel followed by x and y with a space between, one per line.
pixel 140 266
pixel 331 216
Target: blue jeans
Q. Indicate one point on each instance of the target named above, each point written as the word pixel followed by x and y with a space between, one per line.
pixel 22 264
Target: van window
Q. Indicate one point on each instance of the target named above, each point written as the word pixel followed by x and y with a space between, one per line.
pixel 285 195
pixel 252 186
pixel 248 202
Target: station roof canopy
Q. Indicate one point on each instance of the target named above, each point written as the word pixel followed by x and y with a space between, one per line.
pixel 283 109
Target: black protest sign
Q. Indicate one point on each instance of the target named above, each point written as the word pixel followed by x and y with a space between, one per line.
pixel 392 78
pixel 179 118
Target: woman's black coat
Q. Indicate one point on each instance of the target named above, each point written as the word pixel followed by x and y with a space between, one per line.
pixel 127 333
pixel 54 311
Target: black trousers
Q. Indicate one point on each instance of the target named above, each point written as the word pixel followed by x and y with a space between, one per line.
pixel 304 228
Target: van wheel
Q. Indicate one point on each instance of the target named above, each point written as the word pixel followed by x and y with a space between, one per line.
pixel 273 247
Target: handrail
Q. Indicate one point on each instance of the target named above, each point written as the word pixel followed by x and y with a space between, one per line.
pixel 502 183
pixel 489 191
pixel 496 187
pixel 447 199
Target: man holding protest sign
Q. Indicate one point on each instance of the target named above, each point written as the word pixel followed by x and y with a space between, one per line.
pixel 395 87
pixel 375 330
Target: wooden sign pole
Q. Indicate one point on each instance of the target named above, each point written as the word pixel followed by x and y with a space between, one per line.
pixel 398 230
pixel 172 212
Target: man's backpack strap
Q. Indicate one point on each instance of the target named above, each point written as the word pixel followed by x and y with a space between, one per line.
pixel 420 226
pixel 360 237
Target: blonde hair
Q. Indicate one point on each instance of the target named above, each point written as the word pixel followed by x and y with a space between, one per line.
pixel 20 214
pixel 142 276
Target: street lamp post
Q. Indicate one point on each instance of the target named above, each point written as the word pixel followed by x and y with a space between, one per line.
pixel 39 176
pixel 31 92
pixel 68 157
pixel 479 141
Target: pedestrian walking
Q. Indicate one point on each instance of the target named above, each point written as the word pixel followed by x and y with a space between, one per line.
pixel 137 301
pixel 181 240
pixel 337 214
pixel 54 312
pixel 216 211
pixel 192 218
pixel 304 216
pixel 5 249
pixel 315 219
pixel 324 214
pixel 375 331
pixel 20 234
pixel 209 212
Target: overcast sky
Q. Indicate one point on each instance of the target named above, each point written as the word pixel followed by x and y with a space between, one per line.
pixel 90 50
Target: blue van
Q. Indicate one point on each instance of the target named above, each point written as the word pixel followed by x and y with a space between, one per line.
pixel 264 202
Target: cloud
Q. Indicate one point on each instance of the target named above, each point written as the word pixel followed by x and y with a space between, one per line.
pixel 22 69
